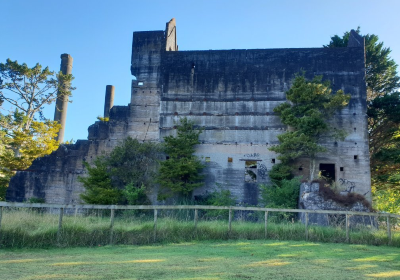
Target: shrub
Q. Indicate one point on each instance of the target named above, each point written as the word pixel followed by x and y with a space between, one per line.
pixel 135 196
pixel 285 194
pixel 36 200
pixel 346 200
pixel 280 172
pixel 219 198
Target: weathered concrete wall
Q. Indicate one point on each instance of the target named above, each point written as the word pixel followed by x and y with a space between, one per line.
pixel 170 33
pixel 231 94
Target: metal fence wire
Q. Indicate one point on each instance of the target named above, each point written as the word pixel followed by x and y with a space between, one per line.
pixel 138 224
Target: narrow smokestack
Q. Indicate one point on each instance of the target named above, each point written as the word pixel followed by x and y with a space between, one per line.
pixel 109 102
pixel 60 114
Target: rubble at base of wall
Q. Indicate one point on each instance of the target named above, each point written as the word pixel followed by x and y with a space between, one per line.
pixel 311 199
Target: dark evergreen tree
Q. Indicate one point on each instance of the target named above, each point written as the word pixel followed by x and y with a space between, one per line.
pixel 311 105
pixel 180 173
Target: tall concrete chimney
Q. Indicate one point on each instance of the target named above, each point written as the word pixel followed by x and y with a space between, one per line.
pixel 109 102
pixel 60 113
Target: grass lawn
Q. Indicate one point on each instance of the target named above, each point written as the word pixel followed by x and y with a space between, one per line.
pixel 205 260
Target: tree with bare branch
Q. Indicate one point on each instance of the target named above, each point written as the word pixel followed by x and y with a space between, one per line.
pixel 25 134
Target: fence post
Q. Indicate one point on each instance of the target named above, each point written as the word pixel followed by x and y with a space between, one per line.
pixel 60 218
pixel 1 216
pixel 111 225
pixel 230 220
pixel 347 228
pixel 196 216
pixel 389 233
pixel 265 224
pixel 306 226
pixel 155 224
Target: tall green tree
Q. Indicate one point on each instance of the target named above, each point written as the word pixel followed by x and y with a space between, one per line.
pixel 24 132
pixel 381 69
pixel 311 105
pixel 180 174
pixel 98 186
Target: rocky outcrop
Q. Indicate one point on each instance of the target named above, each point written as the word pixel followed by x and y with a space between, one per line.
pixel 316 197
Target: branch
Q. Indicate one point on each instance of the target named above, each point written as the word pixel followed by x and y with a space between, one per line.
pixel 13 102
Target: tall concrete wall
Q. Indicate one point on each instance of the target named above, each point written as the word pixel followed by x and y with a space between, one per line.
pixel 231 94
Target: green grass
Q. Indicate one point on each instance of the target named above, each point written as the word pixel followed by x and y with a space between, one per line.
pixel 30 229
pixel 244 259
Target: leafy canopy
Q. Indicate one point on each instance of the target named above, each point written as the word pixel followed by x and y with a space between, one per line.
pixel 180 174
pixel 311 105
pixel 381 69
pixel 284 195
pixel 29 89
pixel 123 176
pixel 24 132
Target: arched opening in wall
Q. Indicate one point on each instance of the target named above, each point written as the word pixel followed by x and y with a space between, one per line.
pixel 250 174
pixel 328 171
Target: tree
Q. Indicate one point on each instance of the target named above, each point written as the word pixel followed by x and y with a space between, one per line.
pixel 381 70
pixel 124 175
pixel 383 123
pixel 36 142
pixel 99 189
pixel 180 174
pixel 25 133
pixel 29 89
pixel 311 105
pixel 134 163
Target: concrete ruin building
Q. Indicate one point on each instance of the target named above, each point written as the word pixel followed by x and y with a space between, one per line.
pixel 231 94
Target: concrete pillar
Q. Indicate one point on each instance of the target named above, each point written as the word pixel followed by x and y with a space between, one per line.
pixel 60 113
pixel 109 102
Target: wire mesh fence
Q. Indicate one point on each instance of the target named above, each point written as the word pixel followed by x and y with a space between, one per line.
pixel 46 225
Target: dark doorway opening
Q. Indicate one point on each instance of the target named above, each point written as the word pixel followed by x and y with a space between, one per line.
pixel 250 174
pixel 328 171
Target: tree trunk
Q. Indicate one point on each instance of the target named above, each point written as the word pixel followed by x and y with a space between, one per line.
pixel 312 168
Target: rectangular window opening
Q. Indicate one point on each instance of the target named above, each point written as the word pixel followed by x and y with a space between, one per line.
pixel 208 159
pixel 250 174
pixel 140 83
pixel 328 171
pixel 341 168
pixel 355 156
pixel 273 160
pixel 230 159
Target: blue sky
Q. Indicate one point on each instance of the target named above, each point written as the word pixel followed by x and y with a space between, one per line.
pixel 98 35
